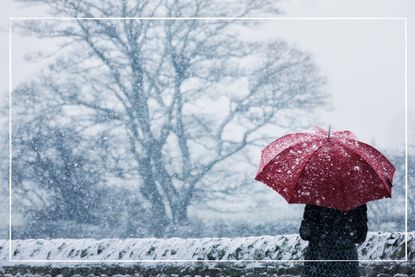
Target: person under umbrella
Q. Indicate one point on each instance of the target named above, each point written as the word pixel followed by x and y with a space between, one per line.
pixel 332 235
pixel 335 175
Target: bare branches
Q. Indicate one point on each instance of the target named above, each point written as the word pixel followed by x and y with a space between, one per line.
pixel 154 80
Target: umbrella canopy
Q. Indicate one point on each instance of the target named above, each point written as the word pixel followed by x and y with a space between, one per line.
pixel 334 169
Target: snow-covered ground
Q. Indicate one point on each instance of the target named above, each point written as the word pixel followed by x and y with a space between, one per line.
pixel 188 254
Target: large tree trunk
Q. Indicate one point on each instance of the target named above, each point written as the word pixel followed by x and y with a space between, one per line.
pixel 148 188
pixel 181 214
pixel 165 180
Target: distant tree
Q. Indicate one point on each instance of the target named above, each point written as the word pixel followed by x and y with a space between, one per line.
pixel 49 157
pixel 411 188
pixel 4 170
pixel 389 214
pixel 57 175
pixel 54 171
pixel 175 98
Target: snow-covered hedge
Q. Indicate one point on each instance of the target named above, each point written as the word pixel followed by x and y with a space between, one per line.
pixel 179 253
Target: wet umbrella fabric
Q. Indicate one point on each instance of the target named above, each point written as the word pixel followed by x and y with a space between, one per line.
pixel 331 170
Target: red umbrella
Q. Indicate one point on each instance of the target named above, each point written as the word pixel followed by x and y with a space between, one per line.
pixel 326 169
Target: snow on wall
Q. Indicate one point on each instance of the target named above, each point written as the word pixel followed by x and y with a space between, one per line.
pixel 385 246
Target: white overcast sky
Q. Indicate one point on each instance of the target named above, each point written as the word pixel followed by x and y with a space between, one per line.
pixel 366 74
pixel 363 60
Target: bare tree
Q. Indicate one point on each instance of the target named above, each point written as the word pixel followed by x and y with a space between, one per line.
pixel 411 188
pixel 148 83
pixel 389 213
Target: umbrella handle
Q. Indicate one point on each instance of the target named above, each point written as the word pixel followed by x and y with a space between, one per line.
pixel 328 133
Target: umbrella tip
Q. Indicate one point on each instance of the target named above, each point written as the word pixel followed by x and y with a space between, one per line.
pixel 328 133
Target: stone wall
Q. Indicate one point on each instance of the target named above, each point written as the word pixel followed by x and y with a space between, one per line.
pixel 250 256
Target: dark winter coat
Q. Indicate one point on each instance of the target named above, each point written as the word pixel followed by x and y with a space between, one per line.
pixel 332 235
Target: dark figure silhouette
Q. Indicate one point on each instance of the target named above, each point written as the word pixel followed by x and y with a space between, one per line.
pixel 332 235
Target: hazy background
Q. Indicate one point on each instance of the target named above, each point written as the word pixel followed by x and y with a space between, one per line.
pixel 363 61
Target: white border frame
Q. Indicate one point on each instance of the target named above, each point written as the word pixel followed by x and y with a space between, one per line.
pixel 405 19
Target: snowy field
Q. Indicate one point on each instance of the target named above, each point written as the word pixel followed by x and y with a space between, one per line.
pixel 206 257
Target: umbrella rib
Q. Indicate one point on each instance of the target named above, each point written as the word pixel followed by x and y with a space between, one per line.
pixel 305 164
pixel 345 195
pixel 282 150
pixel 366 161
pixel 260 170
